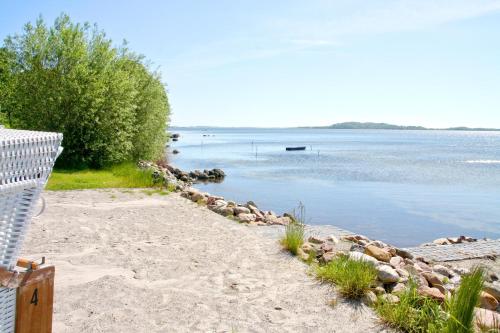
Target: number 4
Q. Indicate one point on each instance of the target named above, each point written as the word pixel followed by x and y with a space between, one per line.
pixel 34 298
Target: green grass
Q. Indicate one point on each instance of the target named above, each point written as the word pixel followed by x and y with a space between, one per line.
pixel 119 176
pixel 353 278
pixel 158 191
pixel 413 313
pixel 461 305
pixel 294 231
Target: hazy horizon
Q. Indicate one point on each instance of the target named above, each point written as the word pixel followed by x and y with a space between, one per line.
pixel 293 63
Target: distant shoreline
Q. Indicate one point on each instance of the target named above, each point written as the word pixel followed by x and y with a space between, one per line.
pixel 352 126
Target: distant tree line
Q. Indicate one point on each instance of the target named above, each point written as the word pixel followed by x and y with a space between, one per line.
pixel 69 78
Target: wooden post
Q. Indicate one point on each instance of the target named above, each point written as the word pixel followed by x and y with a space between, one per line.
pixel 35 298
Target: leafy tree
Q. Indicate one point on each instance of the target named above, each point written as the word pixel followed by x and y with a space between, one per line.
pixel 69 78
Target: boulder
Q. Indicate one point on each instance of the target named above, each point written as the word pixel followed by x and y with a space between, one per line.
pixel 492 288
pixel 396 261
pixel 403 253
pixel 302 255
pixel 369 298
pixel 241 210
pixel 307 247
pixel 398 288
pixel 378 244
pixel 377 253
pixel 315 240
pixel 362 257
pixel 332 239
pixel 390 298
pixel 387 274
pixel 487 320
pixel 443 270
pixel 379 290
pixel 226 211
pixel 422 267
pixel 487 301
pixel 326 247
pixel 197 196
pixel 403 272
pixel 433 278
pixel 246 217
pixel 441 241
pixel 328 256
pixel 433 293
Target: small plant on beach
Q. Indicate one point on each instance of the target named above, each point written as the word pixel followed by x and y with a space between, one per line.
pixel 294 231
pixel 413 313
pixel 353 278
pixel 462 304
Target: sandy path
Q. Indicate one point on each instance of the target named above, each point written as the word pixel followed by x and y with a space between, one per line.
pixel 128 262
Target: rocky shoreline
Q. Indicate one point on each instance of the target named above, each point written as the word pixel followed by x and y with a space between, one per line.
pixel 395 266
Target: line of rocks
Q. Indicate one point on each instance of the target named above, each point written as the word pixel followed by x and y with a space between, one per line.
pixel 246 213
pixel 451 241
pixel 395 267
pixel 167 174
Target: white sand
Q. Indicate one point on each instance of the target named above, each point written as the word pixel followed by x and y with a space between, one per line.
pixel 128 262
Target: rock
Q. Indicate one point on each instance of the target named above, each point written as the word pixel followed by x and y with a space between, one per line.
pixel 403 253
pixel 231 203
pixel 403 272
pixel 241 210
pixel 487 320
pixel 328 256
pixel 396 261
pixel 369 298
pixel 442 270
pixel 377 253
pixel 326 247
pixel 441 241
pixel 422 267
pixel 175 151
pixel 357 248
pixel 362 257
pixel 332 239
pixel 226 211
pixel 399 288
pixel 197 197
pixel 218 202
pixel 307 247
pixel 461 270
pixel 246 217
pixel 433 293
pixel 390 298
pixel 433 278
pixel 315 240
pixel 378 244
pixel 302 255
pixel 387 274
pixel 492 288
pixel 487 301
pixel 379 290
pixel 441 288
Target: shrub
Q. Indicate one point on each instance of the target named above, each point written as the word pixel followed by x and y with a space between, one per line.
pixel 353 278
pixel 462 304
pixel 294 231
pixel 69 78
pixel 413 313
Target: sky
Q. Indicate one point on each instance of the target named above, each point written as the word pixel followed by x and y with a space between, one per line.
pixel 282 63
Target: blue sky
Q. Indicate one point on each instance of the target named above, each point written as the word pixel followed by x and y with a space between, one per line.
pixel 294 63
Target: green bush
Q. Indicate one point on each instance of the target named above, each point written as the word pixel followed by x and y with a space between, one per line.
pixel 462 304
pixel 294 231
pixel 352 277
pixel 413 313
pixel 69 78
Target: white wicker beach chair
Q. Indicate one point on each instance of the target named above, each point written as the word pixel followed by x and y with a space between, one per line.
pixel 26 161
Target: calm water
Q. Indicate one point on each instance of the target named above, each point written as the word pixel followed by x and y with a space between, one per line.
pixel 404 187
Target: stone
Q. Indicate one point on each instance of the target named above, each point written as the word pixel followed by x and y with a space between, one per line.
pixel 441 288
pixel 377 253
pixel 422 267
pixel 398 288
pixel 433 278
pixel 244 217
pixel 326 247
pixel 197 196
pixel 387 274
pixel 390 298
pixel 328 256
pixel 241 210
pixel 487 301
pixel 315 240
pixel 357 248
pixel 369 298
pixel 441 241
pixel 433 293
pixel 378 244
pixel 492 288
pixel 332 239
pixel 379 290
pixel 487 320
pixel 363 257
pixel 403 253
pixel 302 255
pixel 442 270
pixel 403 272
pixel 226 211
pixel 307 247
pixel 396 261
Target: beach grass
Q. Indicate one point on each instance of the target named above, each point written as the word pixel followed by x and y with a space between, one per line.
pixel 126 175
pixel 462 304
pixel 413 313
pixel 295 231
pixel 353 278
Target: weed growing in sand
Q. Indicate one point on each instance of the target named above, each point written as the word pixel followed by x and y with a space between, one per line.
pixel 353 278
pixel 159 191
pixel 294 231
pixel 462 304
pixel 413 313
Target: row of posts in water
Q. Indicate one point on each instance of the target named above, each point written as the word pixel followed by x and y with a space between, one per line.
pixel 256 148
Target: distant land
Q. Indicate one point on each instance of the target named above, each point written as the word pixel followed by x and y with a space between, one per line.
pixel 385 126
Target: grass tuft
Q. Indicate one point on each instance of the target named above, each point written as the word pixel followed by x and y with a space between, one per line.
pixel 462 304
pixel 353 278
pixel 126 175
pixel 294 231
pixel 413 313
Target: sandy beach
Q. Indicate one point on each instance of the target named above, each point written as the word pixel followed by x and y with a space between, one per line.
pixel 130 262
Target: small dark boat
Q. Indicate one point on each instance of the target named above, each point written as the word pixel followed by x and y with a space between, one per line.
pixel 295 148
